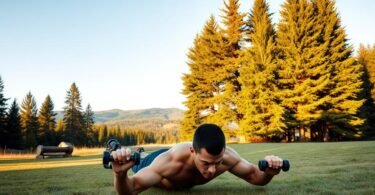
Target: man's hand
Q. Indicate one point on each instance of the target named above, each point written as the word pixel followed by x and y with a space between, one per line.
pixel 121 161
pixel 274 165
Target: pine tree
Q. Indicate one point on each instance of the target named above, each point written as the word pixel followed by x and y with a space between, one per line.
pixel 88 118
pixel 59 131
pixel 106 135
pixel 73 117
pixel 304 74
pixel 203 81
pixel 29 120
pixel 3 116
pixel 47 123
pixel 366 57
pixel 14 127
pixel 227 115
pixel 340 117
pixel 262 115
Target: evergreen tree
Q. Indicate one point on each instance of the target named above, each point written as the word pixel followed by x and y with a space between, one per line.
pixel 3 116
pixel 60 125
pixel 366 57
pixel 203 81
pixel 47 123
pixel 73 117
pixel 106 135
pixel 14 127
pixel 227 115
pixel 340 117
pixel 88 118
pixel 304 74
pixel 103 134
pixel 262 114
pixel 29 120
pixel 59 131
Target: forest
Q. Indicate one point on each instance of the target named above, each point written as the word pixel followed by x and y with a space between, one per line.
pixel 296 80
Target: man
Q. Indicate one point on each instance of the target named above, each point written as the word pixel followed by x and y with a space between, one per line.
pixel 188 164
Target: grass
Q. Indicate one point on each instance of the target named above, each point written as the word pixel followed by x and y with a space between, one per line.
pixel 82 151
pixel 316 168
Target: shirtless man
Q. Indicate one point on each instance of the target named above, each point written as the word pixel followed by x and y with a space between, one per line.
pixel 188 164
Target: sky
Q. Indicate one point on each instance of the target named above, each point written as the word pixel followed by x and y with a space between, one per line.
pixel 122 54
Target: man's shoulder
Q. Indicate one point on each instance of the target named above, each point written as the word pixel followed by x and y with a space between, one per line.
pixel 180 151
pixel 231 157
pixel 172 161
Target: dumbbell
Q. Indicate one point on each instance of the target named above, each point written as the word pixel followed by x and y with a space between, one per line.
pixel 113 145
pixel 263 164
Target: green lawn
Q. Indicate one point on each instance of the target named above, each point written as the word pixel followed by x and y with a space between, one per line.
pixel 316 168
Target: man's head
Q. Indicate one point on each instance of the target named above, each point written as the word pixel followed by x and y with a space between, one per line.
pixel 209 147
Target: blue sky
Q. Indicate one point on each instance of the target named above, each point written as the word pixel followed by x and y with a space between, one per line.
pixel 121 54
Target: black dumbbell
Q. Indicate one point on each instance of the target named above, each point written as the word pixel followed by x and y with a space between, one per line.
pixel 263 165
pixel 113 145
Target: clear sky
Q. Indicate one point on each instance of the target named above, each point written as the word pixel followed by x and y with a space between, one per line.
pixel 126 54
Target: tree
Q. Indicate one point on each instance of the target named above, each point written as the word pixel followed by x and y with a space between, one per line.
pixel 59 131
pixel 203 82
pixel 366 57
pixel 14 127
pixel 73 117
pixel 257 101
pixel 47 123
pixel 88 119
pixel 304 74
pixel 227 116
pixel 339 118
pixel 29 120
pixel 3 116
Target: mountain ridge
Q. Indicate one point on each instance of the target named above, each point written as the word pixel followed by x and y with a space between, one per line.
pixel 119 115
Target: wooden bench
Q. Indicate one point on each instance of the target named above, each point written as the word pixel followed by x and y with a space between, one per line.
pixel 64 149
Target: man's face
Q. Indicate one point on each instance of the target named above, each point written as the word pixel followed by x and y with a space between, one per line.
pixel 207 163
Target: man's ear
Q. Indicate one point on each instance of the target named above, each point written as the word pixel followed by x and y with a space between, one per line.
pixel 192 150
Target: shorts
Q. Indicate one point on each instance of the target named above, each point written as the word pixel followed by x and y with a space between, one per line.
pixel 144 162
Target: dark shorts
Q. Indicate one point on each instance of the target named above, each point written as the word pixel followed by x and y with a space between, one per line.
pixel 148 160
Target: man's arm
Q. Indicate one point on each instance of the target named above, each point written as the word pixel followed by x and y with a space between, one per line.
pixel 135 184
pixel 145 178
pixel 250 173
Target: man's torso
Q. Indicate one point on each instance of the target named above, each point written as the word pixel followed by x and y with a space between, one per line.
pixel 183 173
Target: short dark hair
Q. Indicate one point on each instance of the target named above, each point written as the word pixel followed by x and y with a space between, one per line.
pixel 210 137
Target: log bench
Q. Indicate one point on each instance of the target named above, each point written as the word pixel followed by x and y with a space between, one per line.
pixel 64 149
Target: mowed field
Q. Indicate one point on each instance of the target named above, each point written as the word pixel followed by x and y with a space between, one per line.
pixel 316 168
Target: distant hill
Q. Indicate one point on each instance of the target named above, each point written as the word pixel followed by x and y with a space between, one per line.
pixel 145 114
pixel 118 116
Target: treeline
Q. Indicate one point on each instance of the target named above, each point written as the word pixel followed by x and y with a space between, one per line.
pixel 128 136
pixel 296 80
pixel 154 124
pixel 25 127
